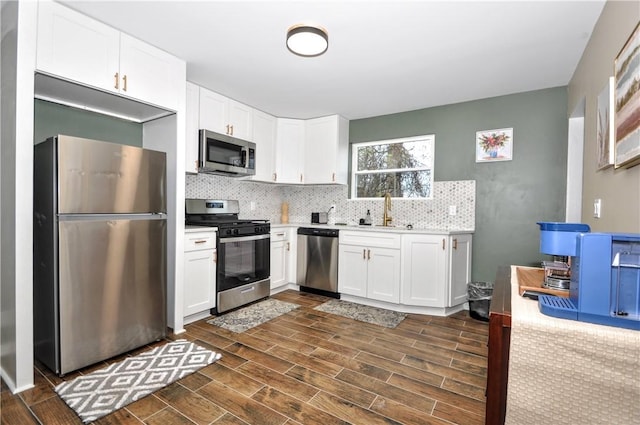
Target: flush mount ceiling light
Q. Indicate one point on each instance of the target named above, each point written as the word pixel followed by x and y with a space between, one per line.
pixel 307 40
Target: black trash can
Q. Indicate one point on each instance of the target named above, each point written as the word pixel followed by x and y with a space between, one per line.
pixel 479 295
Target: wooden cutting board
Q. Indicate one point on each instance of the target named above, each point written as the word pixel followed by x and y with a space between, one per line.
pixel 531 278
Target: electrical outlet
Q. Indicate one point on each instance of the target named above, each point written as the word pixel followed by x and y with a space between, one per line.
pixel 597 206
pixel 253 205
pixel 453 210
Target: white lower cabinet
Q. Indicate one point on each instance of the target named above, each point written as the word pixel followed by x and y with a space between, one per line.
pixel 435 269
pixel 459 268
pixel 424 270
pixel 369 265
pixel 199 272
pixel 280 257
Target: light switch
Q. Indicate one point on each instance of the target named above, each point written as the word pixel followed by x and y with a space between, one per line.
pixel 597 205
pixel 253 205
pixel 453 210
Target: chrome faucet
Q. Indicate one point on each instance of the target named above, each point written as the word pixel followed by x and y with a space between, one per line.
pixel 386 218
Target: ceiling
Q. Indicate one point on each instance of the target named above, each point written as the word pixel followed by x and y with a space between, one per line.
pixel 384 56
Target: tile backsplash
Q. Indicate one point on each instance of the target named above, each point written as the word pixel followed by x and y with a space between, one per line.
pixel 268 198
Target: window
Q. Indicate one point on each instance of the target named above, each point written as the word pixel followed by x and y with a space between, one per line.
pixel 402 167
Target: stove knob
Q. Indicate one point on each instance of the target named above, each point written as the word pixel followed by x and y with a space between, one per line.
pixel 235 231
pixel 228 232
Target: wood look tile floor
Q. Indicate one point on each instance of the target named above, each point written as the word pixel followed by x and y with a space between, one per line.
pixel 305 367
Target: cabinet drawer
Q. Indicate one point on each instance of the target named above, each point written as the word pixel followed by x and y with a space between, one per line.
pixel 371 239
pixel 278 235
pixel 199 240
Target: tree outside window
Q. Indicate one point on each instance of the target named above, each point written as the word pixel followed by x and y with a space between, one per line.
pixel 402 167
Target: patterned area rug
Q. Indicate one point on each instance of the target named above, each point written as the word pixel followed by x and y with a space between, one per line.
pixel 106 390
pixel 253 315
pixel 363 313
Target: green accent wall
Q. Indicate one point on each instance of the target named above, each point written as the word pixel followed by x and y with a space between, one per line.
pixel 511 196
pixel 51 119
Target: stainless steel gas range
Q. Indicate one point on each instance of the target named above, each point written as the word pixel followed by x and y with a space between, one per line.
pixel 243 247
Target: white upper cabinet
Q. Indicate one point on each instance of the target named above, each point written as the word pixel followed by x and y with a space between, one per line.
pixel 290 147
pixel 225 116
pixel 192 126
pixel 80 49
pixel 77 47
pixel 264 136
pixel 149 74
pixel 326 150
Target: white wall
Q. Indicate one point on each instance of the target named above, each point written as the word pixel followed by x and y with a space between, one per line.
pixel 619 189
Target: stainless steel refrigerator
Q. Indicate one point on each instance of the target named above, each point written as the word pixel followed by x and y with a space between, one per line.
pixel 99 250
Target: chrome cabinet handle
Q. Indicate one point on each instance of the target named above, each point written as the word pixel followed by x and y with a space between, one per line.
pixel 124 80
pixel 455 244
pixel 364 254
pixel 368 254
pixel 201 241
pixel 288 246
pixel 443 244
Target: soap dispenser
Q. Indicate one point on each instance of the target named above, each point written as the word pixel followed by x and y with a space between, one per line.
pixel 367 218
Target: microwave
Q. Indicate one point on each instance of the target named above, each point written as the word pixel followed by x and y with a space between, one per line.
pixel 225 155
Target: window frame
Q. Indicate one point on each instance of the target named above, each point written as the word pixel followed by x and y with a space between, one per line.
pixel 430 139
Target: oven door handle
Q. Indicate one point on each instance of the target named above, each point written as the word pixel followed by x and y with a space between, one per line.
pixel 244 238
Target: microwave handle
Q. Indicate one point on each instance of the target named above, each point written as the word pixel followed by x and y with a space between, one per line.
pixel 243 158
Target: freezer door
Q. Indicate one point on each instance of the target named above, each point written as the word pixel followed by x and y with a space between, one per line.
pixel 97 177
pixel 112 288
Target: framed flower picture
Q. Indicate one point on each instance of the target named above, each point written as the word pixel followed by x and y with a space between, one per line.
pixel 627 102
pixel 494 145
pixel 605 130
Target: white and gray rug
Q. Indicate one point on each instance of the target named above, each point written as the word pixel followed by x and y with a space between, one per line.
pixel 253 315
pixel 363 313
pixel 106 390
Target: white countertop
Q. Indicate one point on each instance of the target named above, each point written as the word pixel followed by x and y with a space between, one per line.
pixel 390 229
pixel 194 229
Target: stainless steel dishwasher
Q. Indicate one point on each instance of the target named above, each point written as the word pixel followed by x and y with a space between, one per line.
pixel 317 261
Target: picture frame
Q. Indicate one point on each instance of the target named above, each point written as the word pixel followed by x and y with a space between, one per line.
pixel 627 102
pixel 605 130
pixel 494 145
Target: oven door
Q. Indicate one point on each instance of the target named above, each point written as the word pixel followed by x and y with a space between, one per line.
pixel 242 260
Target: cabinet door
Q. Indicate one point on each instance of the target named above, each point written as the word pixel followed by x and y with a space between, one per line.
pixel 76 47
pixel 320 154
pixel 424 270
pixel 278 263
pixel 290 151
pixel 192 125
pixel 240 120
pixel 383 273
pixel 460 268
pixel 199 281
pixel 213 111
pixel 264 136
pixel 352 270
pixel 150 74
pixel 326 150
